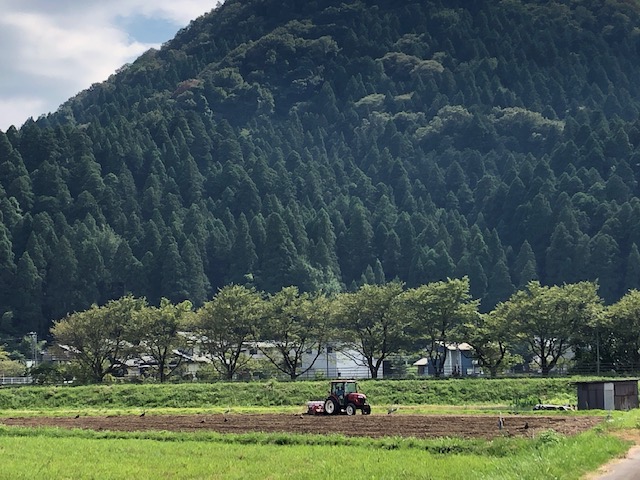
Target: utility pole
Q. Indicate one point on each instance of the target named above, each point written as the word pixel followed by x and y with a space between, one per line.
pixel 597 351
pixel 34 346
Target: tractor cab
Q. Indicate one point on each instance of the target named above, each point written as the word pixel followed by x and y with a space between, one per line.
pixel 344 397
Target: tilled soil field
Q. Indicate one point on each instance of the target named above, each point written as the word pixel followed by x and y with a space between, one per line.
pixel 420 426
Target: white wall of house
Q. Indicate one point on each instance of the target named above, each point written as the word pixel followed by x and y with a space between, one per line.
pixel 454 364
pixel 336 364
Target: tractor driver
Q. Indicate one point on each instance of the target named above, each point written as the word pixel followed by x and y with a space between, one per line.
pixel 340 390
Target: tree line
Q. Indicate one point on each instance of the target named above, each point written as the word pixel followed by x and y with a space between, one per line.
pixel 538 325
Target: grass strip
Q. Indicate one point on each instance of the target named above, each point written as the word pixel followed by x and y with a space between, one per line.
pixel 518 393
pixel 57 453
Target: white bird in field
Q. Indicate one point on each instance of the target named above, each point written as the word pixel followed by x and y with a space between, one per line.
pixel 391 410
pixel 500 422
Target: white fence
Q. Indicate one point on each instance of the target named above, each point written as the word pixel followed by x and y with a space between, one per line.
pixel 15 380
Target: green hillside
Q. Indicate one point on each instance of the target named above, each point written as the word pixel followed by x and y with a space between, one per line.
pixel 327 145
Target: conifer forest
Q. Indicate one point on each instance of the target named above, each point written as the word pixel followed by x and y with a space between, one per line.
pixel 330 145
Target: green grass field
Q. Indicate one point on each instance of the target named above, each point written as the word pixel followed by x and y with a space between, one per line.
pixel 77 454
pixel 46 454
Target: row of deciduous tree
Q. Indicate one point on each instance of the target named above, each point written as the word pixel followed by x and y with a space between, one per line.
pixel 539 323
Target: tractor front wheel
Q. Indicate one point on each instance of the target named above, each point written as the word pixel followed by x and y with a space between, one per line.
pixel 330 406
pixel 366 410
pixel 351 409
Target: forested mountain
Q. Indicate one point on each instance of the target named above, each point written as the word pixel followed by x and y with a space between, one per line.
pixel 327 145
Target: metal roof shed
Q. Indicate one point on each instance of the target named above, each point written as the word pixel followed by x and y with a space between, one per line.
pixel 608 394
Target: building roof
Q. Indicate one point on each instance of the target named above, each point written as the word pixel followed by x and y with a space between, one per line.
pixel 607 380
pixel 464 346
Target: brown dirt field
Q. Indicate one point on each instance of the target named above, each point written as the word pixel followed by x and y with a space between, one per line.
pixel 420 426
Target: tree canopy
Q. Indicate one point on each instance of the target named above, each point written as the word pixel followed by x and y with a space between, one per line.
pixel 332 146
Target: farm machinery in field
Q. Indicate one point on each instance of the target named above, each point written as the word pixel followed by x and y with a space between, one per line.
pixel 343 398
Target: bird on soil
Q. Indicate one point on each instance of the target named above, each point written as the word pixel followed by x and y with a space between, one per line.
pixel 143 413
pixel 77 416
pixel 500 422
pixel 392 410
pixel 526 425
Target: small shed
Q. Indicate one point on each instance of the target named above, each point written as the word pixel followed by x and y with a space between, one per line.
pixel 608 394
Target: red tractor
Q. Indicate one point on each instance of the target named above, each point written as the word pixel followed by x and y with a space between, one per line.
pixel 344 397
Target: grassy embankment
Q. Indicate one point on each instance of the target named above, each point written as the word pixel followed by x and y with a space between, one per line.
pixel 47 453
pixel 467 394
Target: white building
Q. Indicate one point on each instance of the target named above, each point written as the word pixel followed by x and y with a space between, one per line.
pixel 335 362
pixel 458 363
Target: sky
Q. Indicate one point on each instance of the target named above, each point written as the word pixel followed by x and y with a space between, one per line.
pixel 53 49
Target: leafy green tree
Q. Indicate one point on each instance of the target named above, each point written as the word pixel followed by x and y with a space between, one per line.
pixel 10 367
pixel 293 323
pixel 159 333
pixel 436 311
pixel 548 318
pixel 98 338
pixel 225 326
pixel 624 316
pixel 369 322
pixel 493 339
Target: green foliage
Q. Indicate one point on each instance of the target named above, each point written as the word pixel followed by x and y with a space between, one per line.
pixel 547 318
pixel 159 333
pixel 48 374
pixel 370 322
pixel 331 146
pixel 226 324
pixel 10 367
pixel 100 338
pixel 292 325
pixel 435 312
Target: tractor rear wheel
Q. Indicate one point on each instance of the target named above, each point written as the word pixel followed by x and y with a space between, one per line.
pixel 351 409
pixel 330 406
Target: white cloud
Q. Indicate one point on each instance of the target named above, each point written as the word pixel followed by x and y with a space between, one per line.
pixel 179 12
pixel 53 50
pixel 20 107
